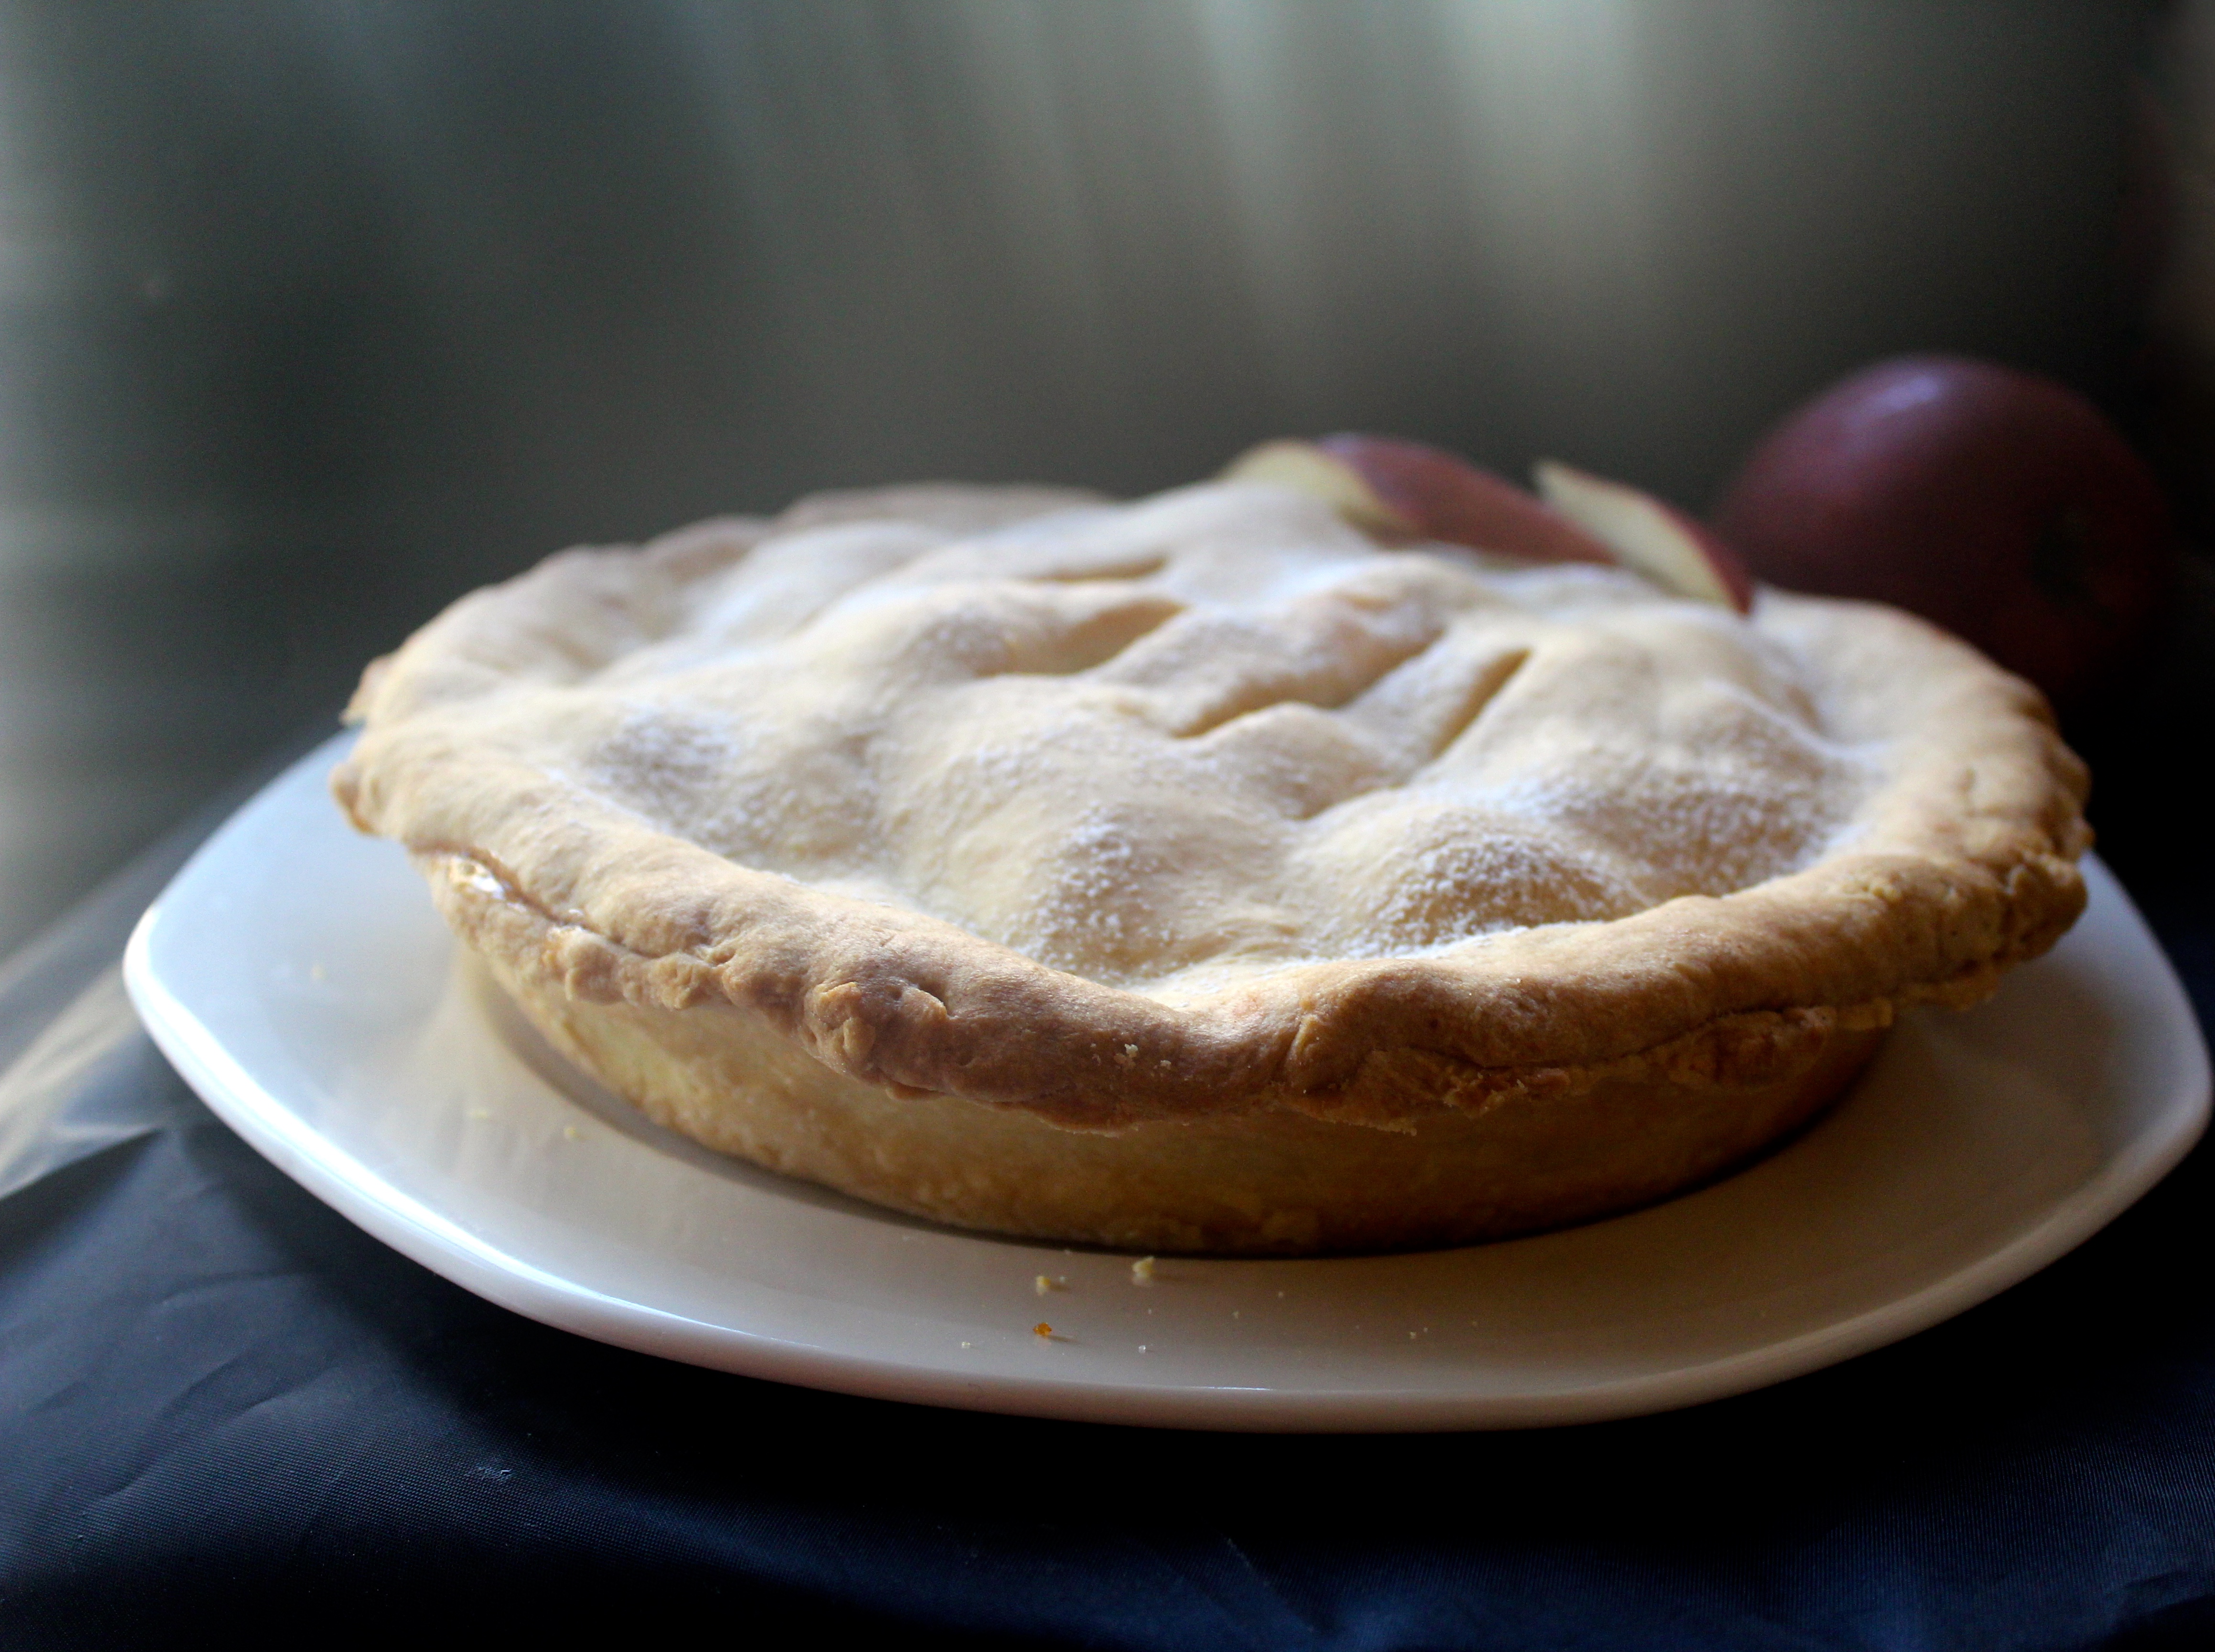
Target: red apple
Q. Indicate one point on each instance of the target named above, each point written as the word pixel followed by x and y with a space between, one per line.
pixel 1995 502
pixel 1649 536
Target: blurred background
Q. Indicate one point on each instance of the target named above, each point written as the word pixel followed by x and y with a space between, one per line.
pixel 314 315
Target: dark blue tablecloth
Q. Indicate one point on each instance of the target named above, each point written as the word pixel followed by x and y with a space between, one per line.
pixel 226 1415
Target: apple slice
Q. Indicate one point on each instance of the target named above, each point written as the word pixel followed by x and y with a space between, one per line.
pixel 1649 536
pixel 1307 468
pixel 1402 489
pixel 1450 499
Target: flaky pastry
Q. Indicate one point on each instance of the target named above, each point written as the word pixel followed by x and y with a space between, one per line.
pixel 1199 873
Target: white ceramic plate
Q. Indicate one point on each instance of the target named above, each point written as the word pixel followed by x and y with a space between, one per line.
pixel 299 978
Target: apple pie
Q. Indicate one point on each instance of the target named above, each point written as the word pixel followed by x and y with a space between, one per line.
pixel 1207 873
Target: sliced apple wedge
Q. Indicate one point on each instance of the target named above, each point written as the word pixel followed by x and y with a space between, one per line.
pixel 1306 468
pixel 1649 536
pixel 1462 504
pixel 1402 489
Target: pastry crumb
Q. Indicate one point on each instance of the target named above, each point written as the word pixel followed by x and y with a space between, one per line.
pixel 1047 1282
pixel 1043 1331
pixel 1142 1271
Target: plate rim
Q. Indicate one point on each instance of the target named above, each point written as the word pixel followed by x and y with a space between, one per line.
pixel 397 1218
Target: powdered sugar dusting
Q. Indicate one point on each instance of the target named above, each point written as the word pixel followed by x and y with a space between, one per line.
pixel 1218 732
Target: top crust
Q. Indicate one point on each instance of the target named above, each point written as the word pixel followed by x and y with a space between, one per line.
pixel 1205 804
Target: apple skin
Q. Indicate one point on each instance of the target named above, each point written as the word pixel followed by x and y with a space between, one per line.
pixel 1448 498
pixel 1649 536
pixel 1305 468
pixel 1995 502
pixel 1397 489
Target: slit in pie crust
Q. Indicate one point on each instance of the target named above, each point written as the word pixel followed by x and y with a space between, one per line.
pixel 1197 874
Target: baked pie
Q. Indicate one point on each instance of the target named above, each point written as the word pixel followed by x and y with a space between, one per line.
pixel 1205 873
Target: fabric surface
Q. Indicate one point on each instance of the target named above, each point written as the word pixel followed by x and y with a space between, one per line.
pixel 227 1414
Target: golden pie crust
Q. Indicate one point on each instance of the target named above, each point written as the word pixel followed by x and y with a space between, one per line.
pixel 1196 874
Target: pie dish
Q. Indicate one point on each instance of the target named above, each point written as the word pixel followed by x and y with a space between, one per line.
pixel 1201 874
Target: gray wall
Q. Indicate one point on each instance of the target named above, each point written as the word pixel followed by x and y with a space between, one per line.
pixel 313 316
